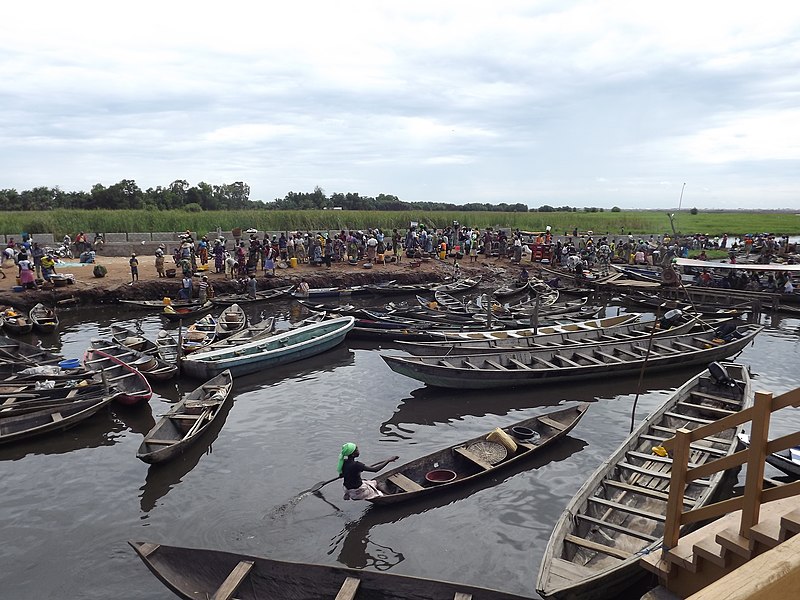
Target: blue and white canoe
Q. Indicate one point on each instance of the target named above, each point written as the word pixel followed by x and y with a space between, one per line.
pixel 279 349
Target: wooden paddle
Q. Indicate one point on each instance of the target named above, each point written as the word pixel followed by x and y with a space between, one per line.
pixel 322 484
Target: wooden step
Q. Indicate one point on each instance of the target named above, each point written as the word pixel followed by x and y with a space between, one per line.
pixel 731 540
pixel 233 581
pixel 767 532
pixel 790 524
pixel 709 549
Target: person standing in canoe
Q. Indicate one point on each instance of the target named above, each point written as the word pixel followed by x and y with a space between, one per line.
pixel 350 469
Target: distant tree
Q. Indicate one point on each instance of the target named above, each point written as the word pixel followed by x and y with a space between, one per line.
pixel 546 208
pixel 616 209
pixel 192 207
pixel 693 211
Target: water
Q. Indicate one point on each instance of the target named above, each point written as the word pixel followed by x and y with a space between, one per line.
pixel 70 501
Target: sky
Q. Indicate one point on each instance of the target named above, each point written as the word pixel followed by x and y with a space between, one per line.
pixel 635 104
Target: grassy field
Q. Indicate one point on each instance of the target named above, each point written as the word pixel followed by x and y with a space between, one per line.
pixel 60 222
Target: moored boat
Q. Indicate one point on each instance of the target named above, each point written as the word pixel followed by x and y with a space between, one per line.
pixel 199 334
pixel 151 366
pixel 186 313
pixel 252 332
pixel 166 346
pixel 186 420
pixel 51 418
pixel 261 296
pixel 231 320
pixel 133 386
pixel 43 318
pixel 281 348
pixel 194 573
pixel 786 461
pixel 618 514
pixel 478 457
pixel 15 322
pixel 511 289
pixel 131 339
pixel 507 369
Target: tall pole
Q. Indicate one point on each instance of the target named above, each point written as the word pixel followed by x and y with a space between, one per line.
pixel 681 198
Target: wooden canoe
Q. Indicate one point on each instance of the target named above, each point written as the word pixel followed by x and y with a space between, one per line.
pixel 473 459
pixel 511 289
pixel 641 330
pixel 194 573
pixel 24 354
pixel 151 366
pixel 186 420
pixel 186 313
pixel 131 383
pixel 16 323
pixel 786 461
pixel 131 339
pixel 507 369
pixel 459 285
pixel 618 514
pixel 51 418
pixel 199 334
pixel 282 348
pixel 251 333
pixel 449 302
pixel 231 320
pixel 167 346
pixel 261 296
pixel 43 318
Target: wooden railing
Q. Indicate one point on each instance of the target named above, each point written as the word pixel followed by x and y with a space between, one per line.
pixel 754 457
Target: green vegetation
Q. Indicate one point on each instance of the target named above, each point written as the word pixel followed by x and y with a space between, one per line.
pixel 64 221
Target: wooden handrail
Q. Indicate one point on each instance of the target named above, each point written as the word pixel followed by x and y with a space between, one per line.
pixel 754 457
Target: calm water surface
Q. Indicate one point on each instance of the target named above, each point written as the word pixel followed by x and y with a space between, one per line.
pixel 70 501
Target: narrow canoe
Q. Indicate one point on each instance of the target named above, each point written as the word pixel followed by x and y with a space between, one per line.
pixel 194 573
pixel 475 458
pixel 786 461
pixel 151 366
pixel 261 296
pixel 282 348
pixel 131 339
pixel 231 320
pixel 44 319
pixel 512 289
pixel 199 335
pixel 167 346
pixel 16 323
pixel 53 418
pixel 618 514
pixel 507 369
pixel 132 385
pixel 186 313
pixel 253 332
pixel 186 420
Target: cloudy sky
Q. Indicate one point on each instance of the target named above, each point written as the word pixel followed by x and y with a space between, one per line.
pixel 596 103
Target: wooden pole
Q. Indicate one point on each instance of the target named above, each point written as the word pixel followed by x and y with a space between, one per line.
pixel 677 486
pixel 756 455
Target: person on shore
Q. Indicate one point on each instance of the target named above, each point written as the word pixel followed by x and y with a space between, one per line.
pixel 186 288
pixel 48 266
pixel 397 249
pixel 252 286
pixel 328 252
pixel 134 263
pixel 202 289
pixel 27 278
pixel 269 260
pixel 36 254
pixel 160 263
pixel 219 257
pixel 350 470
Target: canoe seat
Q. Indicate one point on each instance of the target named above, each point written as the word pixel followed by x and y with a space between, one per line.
pixel 233 581
pixel 185 417
pixel 57 417
pixel 597 547
pixel 473 458
pixel 551 423
pixel 404 483
pixel 155 442
pixel 348 589
pixel 462 596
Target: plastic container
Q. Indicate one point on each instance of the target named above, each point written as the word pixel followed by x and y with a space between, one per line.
pixel 293 262
pixel 501 437
pixel 70 363
pixel 440 475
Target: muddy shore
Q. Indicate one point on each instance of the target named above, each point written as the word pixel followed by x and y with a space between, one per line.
pixel 89 290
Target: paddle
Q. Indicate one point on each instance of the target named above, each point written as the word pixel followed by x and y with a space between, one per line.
pixel 322 484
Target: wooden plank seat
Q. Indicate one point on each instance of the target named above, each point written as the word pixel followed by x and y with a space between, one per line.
pixel 602 548
pixel 349 589
pixel 444 363
pixel 470 365
pixel 57 417
pixel 664 348
pixel 608 356
pixel 462 596
pixel 734 401
pixel 544 362
pixel 643 491
pixel 551 423
pixel 680 416
pixel 672 431
pixel 474 458
pixel 404 483
pixel 185 417
pixel 589 358
pixel 628 353
pixel 495 364
pixel 720 412
pixel 155 442
pixel 654 458
pixel 693 445
pixel 569 362
pixel 233 581
pixel 688 347
pixel 620 528
pixel 627 509
pixel 518 364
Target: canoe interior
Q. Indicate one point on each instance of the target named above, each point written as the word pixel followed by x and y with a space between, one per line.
pixel 619 513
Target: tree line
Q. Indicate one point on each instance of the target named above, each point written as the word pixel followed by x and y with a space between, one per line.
pixel 232 196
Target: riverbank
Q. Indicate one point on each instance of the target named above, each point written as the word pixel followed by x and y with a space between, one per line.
pixel 89 290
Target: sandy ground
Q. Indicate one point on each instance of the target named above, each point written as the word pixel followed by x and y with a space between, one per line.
pixel 88 289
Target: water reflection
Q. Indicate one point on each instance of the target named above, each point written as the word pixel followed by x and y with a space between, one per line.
pixel 162 477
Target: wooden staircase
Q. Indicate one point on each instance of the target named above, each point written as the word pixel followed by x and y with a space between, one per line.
pixel 761 522
pixel 710 553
